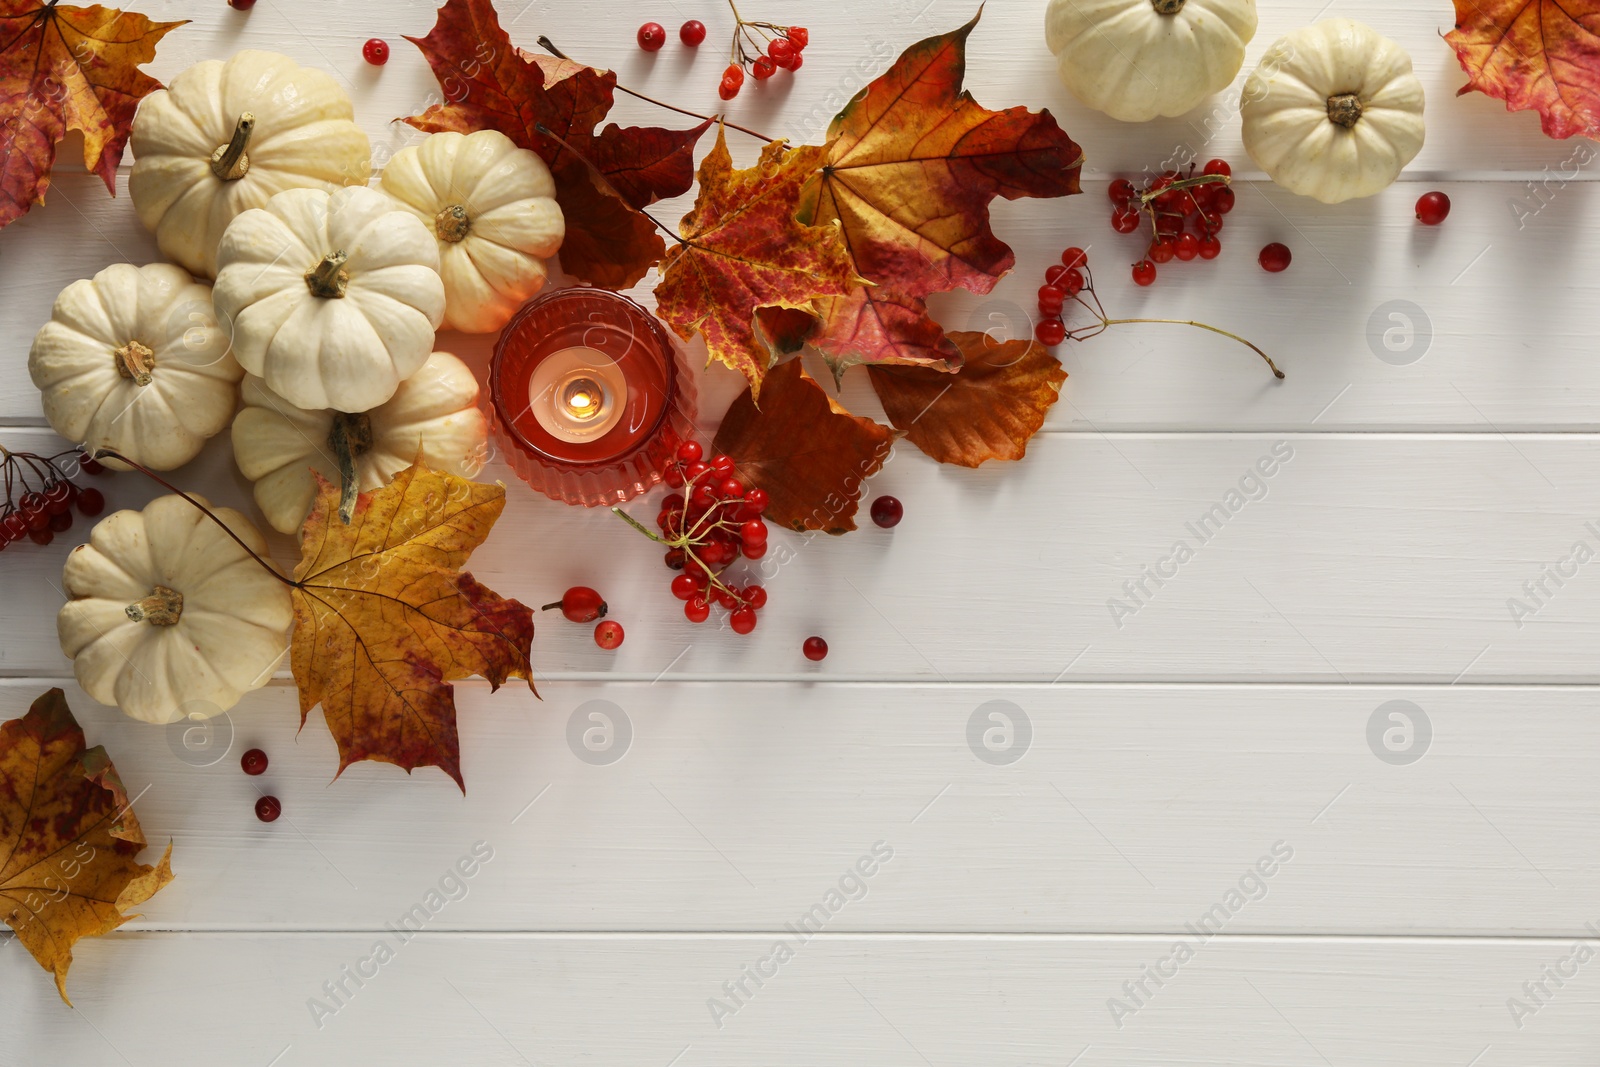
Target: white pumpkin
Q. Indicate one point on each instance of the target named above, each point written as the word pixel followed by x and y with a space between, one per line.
pixel 433 417
pixel 133 360
pixel 227 136
pixel 1333 111
pixel 492 207
pixel 1137 59
pixel 168 618
pixel 332 298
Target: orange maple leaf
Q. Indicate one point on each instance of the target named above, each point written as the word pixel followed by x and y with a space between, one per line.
pixel 986 410
pixel 67 68
pixel 489 84
pixel 913 165
pixel 1536 54
pixel 385 619
pixel 69 837
pixel 810 455
pixel 743 249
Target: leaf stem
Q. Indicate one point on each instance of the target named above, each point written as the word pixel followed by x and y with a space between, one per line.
pixel 1276 373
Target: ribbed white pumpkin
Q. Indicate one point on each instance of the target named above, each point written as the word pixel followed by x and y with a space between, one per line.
pixel 492 207
pixel 1139 59
pixel 133 360
pixel 433 417
pixel 168 618
pixel 1333 111
pixel 332 298
pixel 293 127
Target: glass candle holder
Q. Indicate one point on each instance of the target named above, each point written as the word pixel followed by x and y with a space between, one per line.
pixel 588 397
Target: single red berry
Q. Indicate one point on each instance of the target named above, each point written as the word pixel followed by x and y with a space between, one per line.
pixel 732 489
pixel 1125 220
pixel 1222 200
pixel 14 527
pixel 375 52
pixel 32 505
pixel 694 472
pixel 608 634
pixel 253 762
pixel 684 587
pixel 1054 273
pixel 690 452
pixel 763 68
pixel 887 512
pixel 754 550
pixel 675 558
pixel 1049 332
pixel 1144 272
pixel 754 531
pixel 1210 221
pixel 241 5
pixel 743 620
pixel 61 522
pixel 755 596
pixel 1163 250
pixel 58 497
pixel 697 609
pixel 731 85
pixel 1186 247
pixel 1074 257
pixel 734 73
pixel 1051 297
pixel 797 62
pixel 580 604
pixel 652 35
pixel 91 466
pixel 268 809
pixel 1274 258
pixel 674 476
pixel 41 535
pixel 1120 191
pixel 725 598
pixel 1169 225
pixel 815 649
pixel 1432 208
pixel 756 500
pixel 799 36
pixel 1210 247
pixel 1072 282
pixel 692 33
pixel 1217 166
pixel 780 50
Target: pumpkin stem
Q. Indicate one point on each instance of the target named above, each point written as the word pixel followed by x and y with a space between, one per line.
pixel 163 607
pixel 350 438
pixel 136 362
pixel 229 161
pixel 1167 7
pixel 452 224
pixel 328 279
pixel 1344 109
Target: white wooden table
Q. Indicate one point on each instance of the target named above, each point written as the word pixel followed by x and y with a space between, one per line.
pixel 1224 729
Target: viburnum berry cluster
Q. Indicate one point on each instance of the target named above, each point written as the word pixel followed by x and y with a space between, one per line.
pixel 40 496
pixel 1184 213
pixel 764 48
pixel 707 527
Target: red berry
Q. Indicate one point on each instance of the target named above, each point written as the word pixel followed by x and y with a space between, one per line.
pixel 253 762
pixel 32 505
pixel 1169 225
pixel 799 36
pixel 580 604
pixel 754 550
pixel 684 587
pixel 755 596
pixel 674 476
pixel 268 809
pixel 1210 248
pixel 722 465
pixel 692 33
pixel 732 81
pixel 1125 220
pixel 780 50
pixel 887 512
pixel 608 634
pixel 375 52
pixel 1274 258
pixel 743 620
pixel 1054 273
pixel 1210 221
pixel 1120 191
pixel 14 527
pixel 1072 282
pixel 1222 200
pixel 815 649
pixel 756 500
pixel 754 531
pixel 1049 332
pixel 241 5
pixel 1432 208
pixel 694 472
pixel 1144 272
pixel 1051 297
pixel 61 522
pixel 1217 166
pixel 697 610
pixel 90 466
pixel 690 452
pixel 725 598
pixel 1163 250
pixel 763 68
pixel 41 535
pixel 1074 257
pixel 1187 247
pixel 58 497
pixel 797 62
pixel 732 489
pixel 652 35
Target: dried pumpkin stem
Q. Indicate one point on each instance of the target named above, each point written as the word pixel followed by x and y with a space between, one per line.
pixel 163 607
pixel 1344 109
pixel 329 279
pixel 136 362
pixel 452 224
pixel 350 438
pixel 230 162
pixel 1167 7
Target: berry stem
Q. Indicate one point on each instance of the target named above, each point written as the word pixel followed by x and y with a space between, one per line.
pixel 1276 373
pixel 549 46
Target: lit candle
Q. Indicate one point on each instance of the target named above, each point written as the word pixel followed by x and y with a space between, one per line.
pixel 577 394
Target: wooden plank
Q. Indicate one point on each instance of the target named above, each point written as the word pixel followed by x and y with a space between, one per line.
pixel 892 1001
pixel 1123 809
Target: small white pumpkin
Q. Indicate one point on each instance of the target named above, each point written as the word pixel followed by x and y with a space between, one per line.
pixel 1333 111
pixel 492 207
pixel 332 298
pixel 226 136
pixel 168 618
pixel 133 360
pixel 1137 59
pixel 433 416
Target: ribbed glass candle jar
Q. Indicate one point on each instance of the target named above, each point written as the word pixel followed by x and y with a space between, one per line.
pixel 588 397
